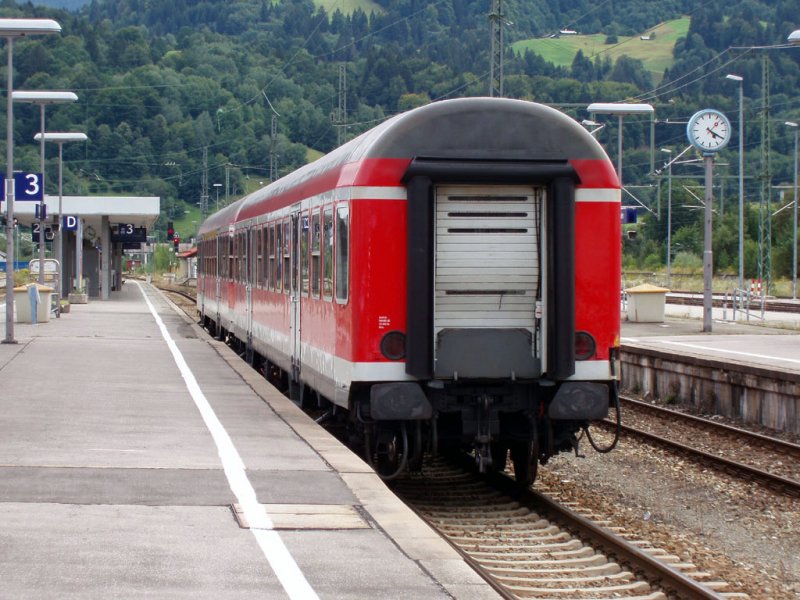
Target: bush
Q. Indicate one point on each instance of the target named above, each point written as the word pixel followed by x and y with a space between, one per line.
pixel 687 262
pixel 20 277
pixel 612 39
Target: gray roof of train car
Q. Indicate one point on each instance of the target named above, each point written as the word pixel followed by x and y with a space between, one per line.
pixel 464 128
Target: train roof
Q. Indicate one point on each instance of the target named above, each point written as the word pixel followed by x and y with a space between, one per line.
pixel 464 129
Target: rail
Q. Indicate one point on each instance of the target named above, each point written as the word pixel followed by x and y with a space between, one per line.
pixel 769 479
pixel 500 528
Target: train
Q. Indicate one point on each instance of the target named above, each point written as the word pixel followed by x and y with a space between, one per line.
pixel 448 281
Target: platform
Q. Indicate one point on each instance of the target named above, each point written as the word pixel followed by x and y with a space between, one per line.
pixel 139 457
pixel 745 371
pixel 753 343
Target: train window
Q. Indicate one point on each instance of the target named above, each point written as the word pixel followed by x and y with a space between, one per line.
pixel 295 251
pixel 229 274
pixel 244 249
pixel 278 260
pixel 287 255
pixel 239 251
pixel 259 257
pixel 220 259
pixel 235 252
pixel 315 250
pixel 265 265
pixel 305 231
pixel 251 256
pixel 327 253
pixel 271 257
pixel 342 252
pixel 244 252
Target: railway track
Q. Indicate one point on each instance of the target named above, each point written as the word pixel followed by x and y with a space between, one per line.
pixel 771 304
pixel 769 461
pixel 529 545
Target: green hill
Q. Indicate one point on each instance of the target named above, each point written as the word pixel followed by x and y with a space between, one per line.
pixel 348 6
pixel 655 53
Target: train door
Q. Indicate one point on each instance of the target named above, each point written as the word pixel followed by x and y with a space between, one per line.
pixel 487 281
pixel 294 299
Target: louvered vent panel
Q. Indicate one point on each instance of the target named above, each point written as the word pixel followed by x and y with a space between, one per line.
pixel 487 260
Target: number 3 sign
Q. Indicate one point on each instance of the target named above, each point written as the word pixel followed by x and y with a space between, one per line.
pixel 27 186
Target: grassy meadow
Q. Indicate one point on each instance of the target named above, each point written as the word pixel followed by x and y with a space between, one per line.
pixel 656 53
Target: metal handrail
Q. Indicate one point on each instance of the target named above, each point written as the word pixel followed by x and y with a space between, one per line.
pixel 743 299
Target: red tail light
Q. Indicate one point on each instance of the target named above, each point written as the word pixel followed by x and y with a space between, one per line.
pixel 585 346
pixel 393 345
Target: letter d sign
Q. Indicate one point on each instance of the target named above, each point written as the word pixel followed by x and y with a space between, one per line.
pixel 70 223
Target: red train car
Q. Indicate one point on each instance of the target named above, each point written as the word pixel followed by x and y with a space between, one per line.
pixel 451 278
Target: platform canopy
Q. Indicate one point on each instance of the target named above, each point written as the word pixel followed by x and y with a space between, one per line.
pixel 139 211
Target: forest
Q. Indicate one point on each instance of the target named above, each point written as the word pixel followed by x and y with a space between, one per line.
pixel 251 89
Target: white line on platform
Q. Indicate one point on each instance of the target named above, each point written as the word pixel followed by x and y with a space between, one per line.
pixel 281 561
pixel 736 352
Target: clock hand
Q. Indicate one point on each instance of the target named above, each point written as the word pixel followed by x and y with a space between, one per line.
pixel 712 132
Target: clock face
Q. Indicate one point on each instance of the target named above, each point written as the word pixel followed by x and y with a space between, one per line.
pixel 709 130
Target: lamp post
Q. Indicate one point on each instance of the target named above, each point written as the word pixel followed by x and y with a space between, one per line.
pixel 622 109
pixel 794 126
pixel 765 235
pixel 42 98
pixel 740 80
pixel 668 151
pixel 12 29
pixel 61 139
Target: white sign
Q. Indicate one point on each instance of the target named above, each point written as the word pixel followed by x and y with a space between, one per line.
pixel 50 266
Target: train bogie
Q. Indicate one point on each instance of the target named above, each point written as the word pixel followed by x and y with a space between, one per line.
pixel 449 278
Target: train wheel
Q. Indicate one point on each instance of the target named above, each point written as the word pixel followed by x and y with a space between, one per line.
pixel 525 456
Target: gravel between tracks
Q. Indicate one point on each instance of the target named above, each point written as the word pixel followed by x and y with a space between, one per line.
pixel 740 532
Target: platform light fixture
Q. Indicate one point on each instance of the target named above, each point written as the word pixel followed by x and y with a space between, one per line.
pixel 796 128
pixel 590 123
pixel 216 187
pixel 42 99
pixel 740 80
pixel 668 152
pixel 12 29
pixel 62 138
pixel 621 109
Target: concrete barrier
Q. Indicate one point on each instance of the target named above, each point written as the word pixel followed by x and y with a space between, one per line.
pixel 757 395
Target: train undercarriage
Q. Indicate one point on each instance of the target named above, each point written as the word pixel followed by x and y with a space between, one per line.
pixel 393 425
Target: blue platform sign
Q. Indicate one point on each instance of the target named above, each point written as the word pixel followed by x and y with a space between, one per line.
pixel 628 215
pixel 27 186
pixel 69 223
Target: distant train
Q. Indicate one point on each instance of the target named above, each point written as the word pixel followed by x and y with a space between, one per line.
pixel 450 278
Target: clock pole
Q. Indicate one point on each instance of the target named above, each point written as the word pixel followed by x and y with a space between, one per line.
pixel 708 162
pixel 709 131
